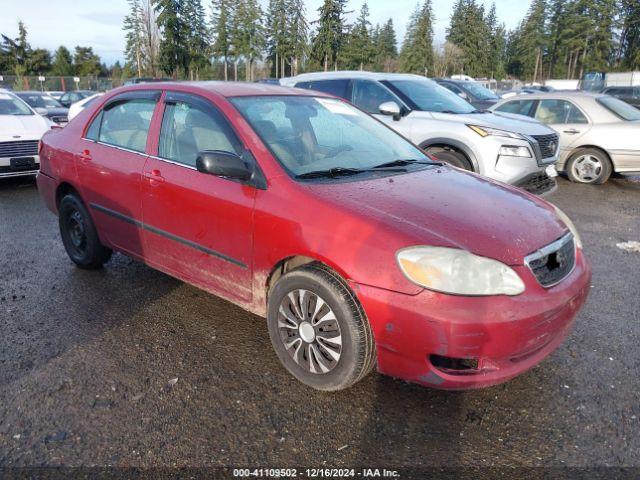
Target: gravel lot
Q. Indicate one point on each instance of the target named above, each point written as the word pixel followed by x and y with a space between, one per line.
pixel 87 361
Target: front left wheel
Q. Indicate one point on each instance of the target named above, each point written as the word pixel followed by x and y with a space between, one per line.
pixel 319 330
pixel 79 234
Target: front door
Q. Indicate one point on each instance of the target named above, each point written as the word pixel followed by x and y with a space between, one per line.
pixel 109 160
pixel 198 227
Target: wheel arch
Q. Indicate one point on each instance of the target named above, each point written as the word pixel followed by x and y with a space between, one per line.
pixel 63 189
pixel 454 144
pixel 592 147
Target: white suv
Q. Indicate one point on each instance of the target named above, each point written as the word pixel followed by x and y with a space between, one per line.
pixel 519 152
pixel 21 128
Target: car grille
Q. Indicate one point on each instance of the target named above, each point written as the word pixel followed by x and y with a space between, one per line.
pixel 24 148
pixel 60 119
pixel 554 262
pixel 548 144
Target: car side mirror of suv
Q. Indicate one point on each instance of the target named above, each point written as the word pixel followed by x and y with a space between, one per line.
pixel 41 111
pixel 224 164
pixel 391 109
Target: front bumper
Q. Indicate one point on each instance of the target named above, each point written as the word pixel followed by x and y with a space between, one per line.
pixel 505 335
pixel 8 170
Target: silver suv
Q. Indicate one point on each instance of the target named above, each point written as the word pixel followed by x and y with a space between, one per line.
pixel 519 152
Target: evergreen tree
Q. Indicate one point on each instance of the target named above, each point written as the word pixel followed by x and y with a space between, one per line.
pixel 132 26
pixel 298 34
pixel 247 35
pixel 174 45
pixel 629 52
pixel 330 35
pixel 359 48
pixel 221 30
pixel 532 40
pixel 386 46
pixel 496 44
pixel 38 61
pixel 62 62
pixel 16 51
pixel 198 37
pixel 469 32
pixel 417 50
pixel 86 62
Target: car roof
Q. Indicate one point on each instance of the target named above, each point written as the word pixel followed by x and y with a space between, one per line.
pixel 560 94
pixel 225 89
pixel 31 92
pixel 351 74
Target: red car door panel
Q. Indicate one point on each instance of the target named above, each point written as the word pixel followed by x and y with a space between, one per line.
pixel 113 153
pixel 197 226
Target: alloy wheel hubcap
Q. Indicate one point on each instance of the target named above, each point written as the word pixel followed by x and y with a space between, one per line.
pixel 587 168
pixel 310 331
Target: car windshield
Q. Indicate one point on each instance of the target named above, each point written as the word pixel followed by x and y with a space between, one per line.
pixel 10 105
pixel 428 96
pixel 311 134
pixel 621 109
pixel 37 100
pixel 480 92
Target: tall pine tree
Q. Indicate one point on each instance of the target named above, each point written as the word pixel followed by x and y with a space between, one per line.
pixel 417 50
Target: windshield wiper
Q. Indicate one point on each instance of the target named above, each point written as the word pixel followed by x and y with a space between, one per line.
pixel 406 161
pixel 340 171
pixel 481 111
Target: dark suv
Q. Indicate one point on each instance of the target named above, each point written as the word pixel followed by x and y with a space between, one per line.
pixel 631 95
pixel 480 97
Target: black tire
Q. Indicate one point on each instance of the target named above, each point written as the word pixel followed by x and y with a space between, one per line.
pixel 357 351
pixel 597 171
pixel 451 156
pixel 79 234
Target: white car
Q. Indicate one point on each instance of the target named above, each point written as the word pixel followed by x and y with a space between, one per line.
pixel 520 152
pixel 77 107
pixel 21 129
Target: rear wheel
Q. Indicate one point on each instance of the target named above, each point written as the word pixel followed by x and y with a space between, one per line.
pixel 79 234
pixel 589 165
pixel 451 156
pixel 319 330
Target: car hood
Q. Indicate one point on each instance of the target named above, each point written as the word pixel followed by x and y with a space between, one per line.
pixel 524 125
pixel 447 207
pixel 22 127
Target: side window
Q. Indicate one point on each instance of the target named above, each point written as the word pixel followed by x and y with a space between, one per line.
pixel 94 129
pixel 520 107
pixel 453 88
pixel 188 130
pixel 558 112
pixel 369 96
pixel 339 88
pixel 305 85
pixel 127 124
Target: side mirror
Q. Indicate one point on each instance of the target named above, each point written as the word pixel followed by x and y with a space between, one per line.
pixel 391 109
pixel 41 111
pixel 463 95
pixel 223 164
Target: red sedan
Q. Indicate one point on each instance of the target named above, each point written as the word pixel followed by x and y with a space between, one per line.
pixel 360 250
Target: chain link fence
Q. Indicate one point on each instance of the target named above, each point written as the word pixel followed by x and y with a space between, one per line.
pixel 58 83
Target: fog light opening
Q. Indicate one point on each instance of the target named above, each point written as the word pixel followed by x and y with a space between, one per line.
pixel 454 365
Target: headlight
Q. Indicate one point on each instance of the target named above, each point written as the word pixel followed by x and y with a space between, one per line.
pixel 450 270
pixel 513 151
pixel 572 228
pixel 486 131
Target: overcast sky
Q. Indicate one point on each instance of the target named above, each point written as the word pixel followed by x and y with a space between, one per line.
pixel 98 23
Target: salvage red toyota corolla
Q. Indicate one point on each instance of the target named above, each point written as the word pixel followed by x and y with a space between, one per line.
pixel 359 249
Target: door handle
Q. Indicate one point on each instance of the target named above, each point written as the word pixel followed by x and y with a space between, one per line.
pixel 155 177
pixel 85 156
pixel 573 131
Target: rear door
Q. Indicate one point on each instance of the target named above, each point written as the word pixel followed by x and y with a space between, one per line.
pixel 198 227
pixel 110 160
pixel 565 118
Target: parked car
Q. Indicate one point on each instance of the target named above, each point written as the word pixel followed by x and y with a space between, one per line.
pixel 46 105
pixel 136 80
pixel 630 95
pixel 444 125
pixel 20 131
pixel 474 93
pixel 70 98
pixel 77 107
pixel 359 249
pixel 598 133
